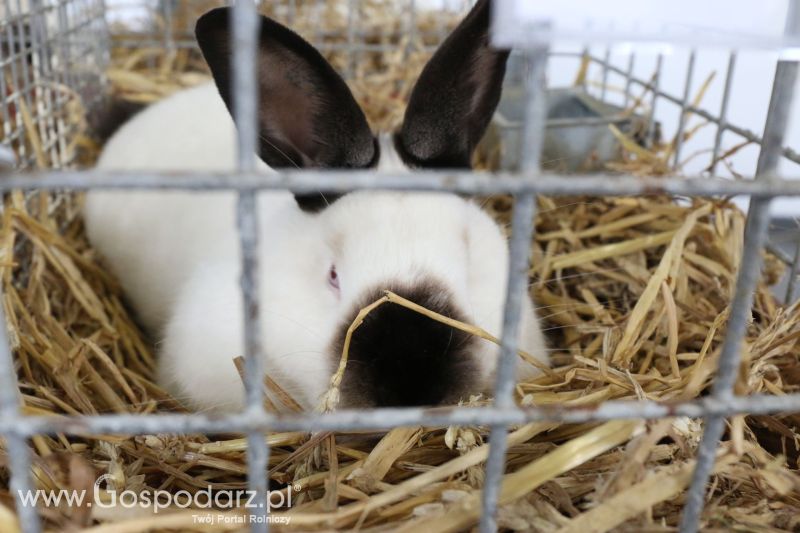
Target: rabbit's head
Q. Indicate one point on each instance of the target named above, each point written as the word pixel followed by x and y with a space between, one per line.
pixel 438 250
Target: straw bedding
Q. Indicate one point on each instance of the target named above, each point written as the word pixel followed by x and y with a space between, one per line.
pixel 634 293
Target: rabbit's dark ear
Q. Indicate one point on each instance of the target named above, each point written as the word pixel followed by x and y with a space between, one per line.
pixel 307 115
pixel 455 96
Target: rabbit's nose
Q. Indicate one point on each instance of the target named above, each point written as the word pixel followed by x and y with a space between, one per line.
pixel 399 357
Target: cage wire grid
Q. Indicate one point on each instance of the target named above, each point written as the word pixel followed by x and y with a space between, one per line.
pixel 51 51
pixel 43 56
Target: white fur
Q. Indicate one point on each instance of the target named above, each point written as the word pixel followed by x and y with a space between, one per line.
pixel 176 254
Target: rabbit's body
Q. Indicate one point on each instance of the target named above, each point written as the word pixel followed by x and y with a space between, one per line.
pixel 166 234
pixel 177 253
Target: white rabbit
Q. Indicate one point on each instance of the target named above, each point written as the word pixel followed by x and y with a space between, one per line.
pixel 321 258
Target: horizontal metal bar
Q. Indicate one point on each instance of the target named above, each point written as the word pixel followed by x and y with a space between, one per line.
pixel 25 426
pixel 586 121
pixel 120 42
pixel 9 19
pixel 457 181
pixel 558 123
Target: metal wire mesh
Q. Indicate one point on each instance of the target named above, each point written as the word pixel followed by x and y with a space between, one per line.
pixel 49 45
pixel 50 51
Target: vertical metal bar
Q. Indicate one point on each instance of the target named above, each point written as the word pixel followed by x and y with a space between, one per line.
pixel 14 89
pixel 352 10
pixel 246 28
pixel 606 61
pixel 102 48
pixel 169 38
pixel 629 79
pixel 687 94
pixel 54 101
pixel 441 24
pixel 292 12
pixel 42 73
pixel 257 448
pixel 656 89
pixel 749 271
pixel 516 290
pixel 18 452
pixel 791 288
pixel 21 482
pixel 412 28
pixel 245 34
pixel 91 54
pixel 4 91
pixel 723 112
pixel 65 47
pixel 4 111
pixel 64 75
pixel 24 47
pixel 758 223
pixel 585 60
pixel 317 24
pixel 43 96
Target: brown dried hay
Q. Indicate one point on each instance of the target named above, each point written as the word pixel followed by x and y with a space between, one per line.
pixel 635 293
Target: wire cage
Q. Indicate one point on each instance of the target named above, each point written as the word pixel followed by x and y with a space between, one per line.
pixel 54 59
pixel 54 56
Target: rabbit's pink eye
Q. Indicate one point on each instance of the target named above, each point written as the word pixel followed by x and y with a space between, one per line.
pixel 333 277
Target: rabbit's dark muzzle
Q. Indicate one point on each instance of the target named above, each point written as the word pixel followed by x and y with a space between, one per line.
pixel 401 358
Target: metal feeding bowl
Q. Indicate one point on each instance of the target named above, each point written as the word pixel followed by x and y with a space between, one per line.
pixel 577 136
